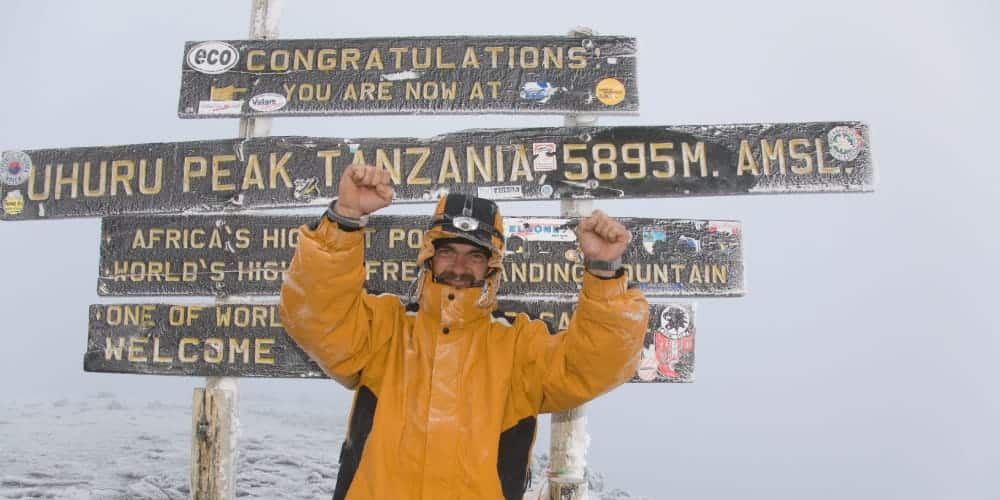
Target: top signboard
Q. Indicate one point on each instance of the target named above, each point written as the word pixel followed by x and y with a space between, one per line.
pixel 443 75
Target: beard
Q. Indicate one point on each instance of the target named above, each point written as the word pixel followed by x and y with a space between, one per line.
pixel 463 280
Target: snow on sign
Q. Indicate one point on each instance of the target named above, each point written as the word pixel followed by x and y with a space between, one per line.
pixel 547 75
pixel 248 340
pixel 248 255
pixel 505 164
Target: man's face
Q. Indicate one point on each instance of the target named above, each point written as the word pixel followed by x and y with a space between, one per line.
pixel 460 265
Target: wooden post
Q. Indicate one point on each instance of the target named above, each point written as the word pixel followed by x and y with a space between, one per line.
pixel 569 438
pixel 213 442
pixel 215 416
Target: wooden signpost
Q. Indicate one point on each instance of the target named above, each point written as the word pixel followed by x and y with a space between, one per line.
pixel 215 413
pixel 225 254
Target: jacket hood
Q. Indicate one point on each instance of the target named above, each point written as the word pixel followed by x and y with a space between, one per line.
pixel 476 220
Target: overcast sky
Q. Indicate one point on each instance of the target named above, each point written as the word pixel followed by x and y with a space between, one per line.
pixel 861 364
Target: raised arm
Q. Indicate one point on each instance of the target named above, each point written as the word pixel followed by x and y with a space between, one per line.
pixel 323 303
pixel 600 348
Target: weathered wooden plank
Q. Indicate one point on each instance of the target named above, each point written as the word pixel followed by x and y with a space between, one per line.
pixel 538 75
pixel 248 340
pixel 507 164
pixel 249 255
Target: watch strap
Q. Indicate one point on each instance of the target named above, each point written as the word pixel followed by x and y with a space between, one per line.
pixel 348 223
pixel 602 265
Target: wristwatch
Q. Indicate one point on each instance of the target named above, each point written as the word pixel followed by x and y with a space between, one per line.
pixel 349 223
pixel 602 265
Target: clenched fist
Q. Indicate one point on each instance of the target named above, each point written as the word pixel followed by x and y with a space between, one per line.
pixel 602 238
pixel 363 189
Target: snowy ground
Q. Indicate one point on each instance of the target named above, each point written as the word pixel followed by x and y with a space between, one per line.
pixel 103 448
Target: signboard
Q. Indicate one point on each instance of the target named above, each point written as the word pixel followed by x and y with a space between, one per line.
pixel 504 164
pixel 248 340
pixel 249 254
pixel 547 75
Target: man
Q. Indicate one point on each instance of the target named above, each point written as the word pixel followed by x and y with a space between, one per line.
pixel 448 389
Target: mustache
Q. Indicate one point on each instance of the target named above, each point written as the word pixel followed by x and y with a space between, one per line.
pixel 449 276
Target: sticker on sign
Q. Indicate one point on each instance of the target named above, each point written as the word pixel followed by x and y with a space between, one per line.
pixel 512 192
pixel 15 167
pixel 13 203
pixel 212 58
pixel 544 156
pixel 270 101
pixel 220 107
pixel 538 229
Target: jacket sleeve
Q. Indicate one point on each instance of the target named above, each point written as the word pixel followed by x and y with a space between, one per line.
pixel 325 308
pixel 596 353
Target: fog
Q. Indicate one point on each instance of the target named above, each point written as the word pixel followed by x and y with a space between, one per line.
pixel 860 364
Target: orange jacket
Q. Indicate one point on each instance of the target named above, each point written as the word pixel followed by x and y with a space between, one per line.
pixel 447 392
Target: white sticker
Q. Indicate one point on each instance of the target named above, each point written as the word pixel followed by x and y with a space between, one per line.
pixel 540 91
pixel 15 167
pixel 675 321
pixel 212 58
pixel 536 229
pixel 845 143
pixel 268 102
pixel 647 364
pixel 402 75
pixel 501 192
pixel 220 107
pixel 434 194
pixel 544 156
